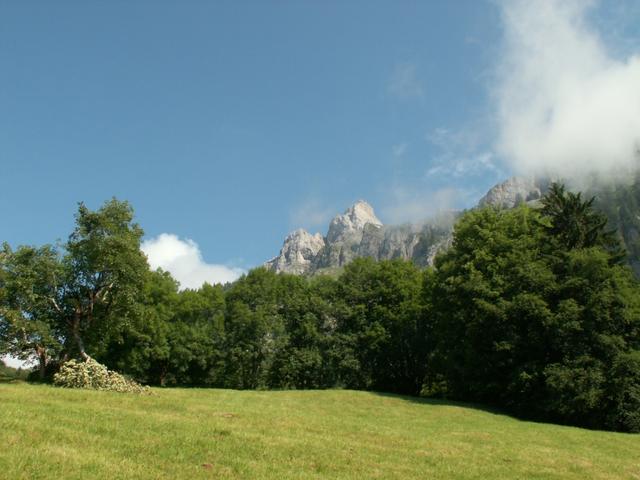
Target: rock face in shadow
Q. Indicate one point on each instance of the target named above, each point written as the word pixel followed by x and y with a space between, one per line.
pixel 620 202
pixel 416 242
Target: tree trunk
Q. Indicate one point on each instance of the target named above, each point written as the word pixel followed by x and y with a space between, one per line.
pixel 42 361
pixel 75 328
pixel 162 374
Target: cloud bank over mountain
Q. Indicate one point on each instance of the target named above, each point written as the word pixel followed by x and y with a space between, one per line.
pixel 183 259
pixel 564 104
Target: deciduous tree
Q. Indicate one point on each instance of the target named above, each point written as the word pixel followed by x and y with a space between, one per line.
pixel 29 279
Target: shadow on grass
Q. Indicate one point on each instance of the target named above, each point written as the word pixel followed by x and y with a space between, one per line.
pixel 473 406
pixel 444 402
pixel 486 409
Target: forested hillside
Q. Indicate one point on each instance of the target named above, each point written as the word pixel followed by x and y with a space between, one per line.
pixel 621 204
pixel 531 309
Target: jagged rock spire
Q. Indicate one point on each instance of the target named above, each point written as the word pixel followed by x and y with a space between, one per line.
pixel 352 222
pixel 359 233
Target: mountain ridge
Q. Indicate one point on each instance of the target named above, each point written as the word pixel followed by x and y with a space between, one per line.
pixel 359 233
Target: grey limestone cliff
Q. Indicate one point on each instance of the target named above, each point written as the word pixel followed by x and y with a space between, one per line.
pixel 513 192
pixel 345 235
pixel 297 253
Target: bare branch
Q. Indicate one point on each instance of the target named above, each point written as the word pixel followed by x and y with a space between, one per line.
pixel 55 305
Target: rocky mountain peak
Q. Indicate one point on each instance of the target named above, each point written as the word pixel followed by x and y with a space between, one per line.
pixel 297 252
pixel 359 233
pixel 512 192
pixel 301 236
pixel 352 222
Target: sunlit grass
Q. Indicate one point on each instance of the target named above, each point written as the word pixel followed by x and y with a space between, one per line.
pixel 54 433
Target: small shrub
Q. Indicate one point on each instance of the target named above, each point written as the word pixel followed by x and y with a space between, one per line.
pixel 95 376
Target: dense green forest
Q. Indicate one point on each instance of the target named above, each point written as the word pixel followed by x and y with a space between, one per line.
pixel 532 310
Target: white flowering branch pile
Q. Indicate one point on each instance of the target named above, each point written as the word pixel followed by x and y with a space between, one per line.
pixel 93 375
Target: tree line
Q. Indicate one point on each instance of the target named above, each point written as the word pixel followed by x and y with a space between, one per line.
pixel 531 310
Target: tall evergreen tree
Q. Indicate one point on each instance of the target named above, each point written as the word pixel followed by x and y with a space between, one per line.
pixel 574 223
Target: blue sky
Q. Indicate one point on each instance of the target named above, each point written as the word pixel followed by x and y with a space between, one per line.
pixel 233 123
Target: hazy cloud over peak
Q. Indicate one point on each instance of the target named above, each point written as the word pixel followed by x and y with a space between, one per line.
pixel 311 214
pixel 410 205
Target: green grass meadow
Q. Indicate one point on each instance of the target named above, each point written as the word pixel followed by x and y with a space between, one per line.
pixel 51 433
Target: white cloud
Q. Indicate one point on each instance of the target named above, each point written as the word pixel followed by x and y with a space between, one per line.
pixel 565 105
pixel 404 83
pixel 182 258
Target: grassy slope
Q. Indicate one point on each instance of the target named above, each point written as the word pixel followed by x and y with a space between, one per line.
pixel 54 433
